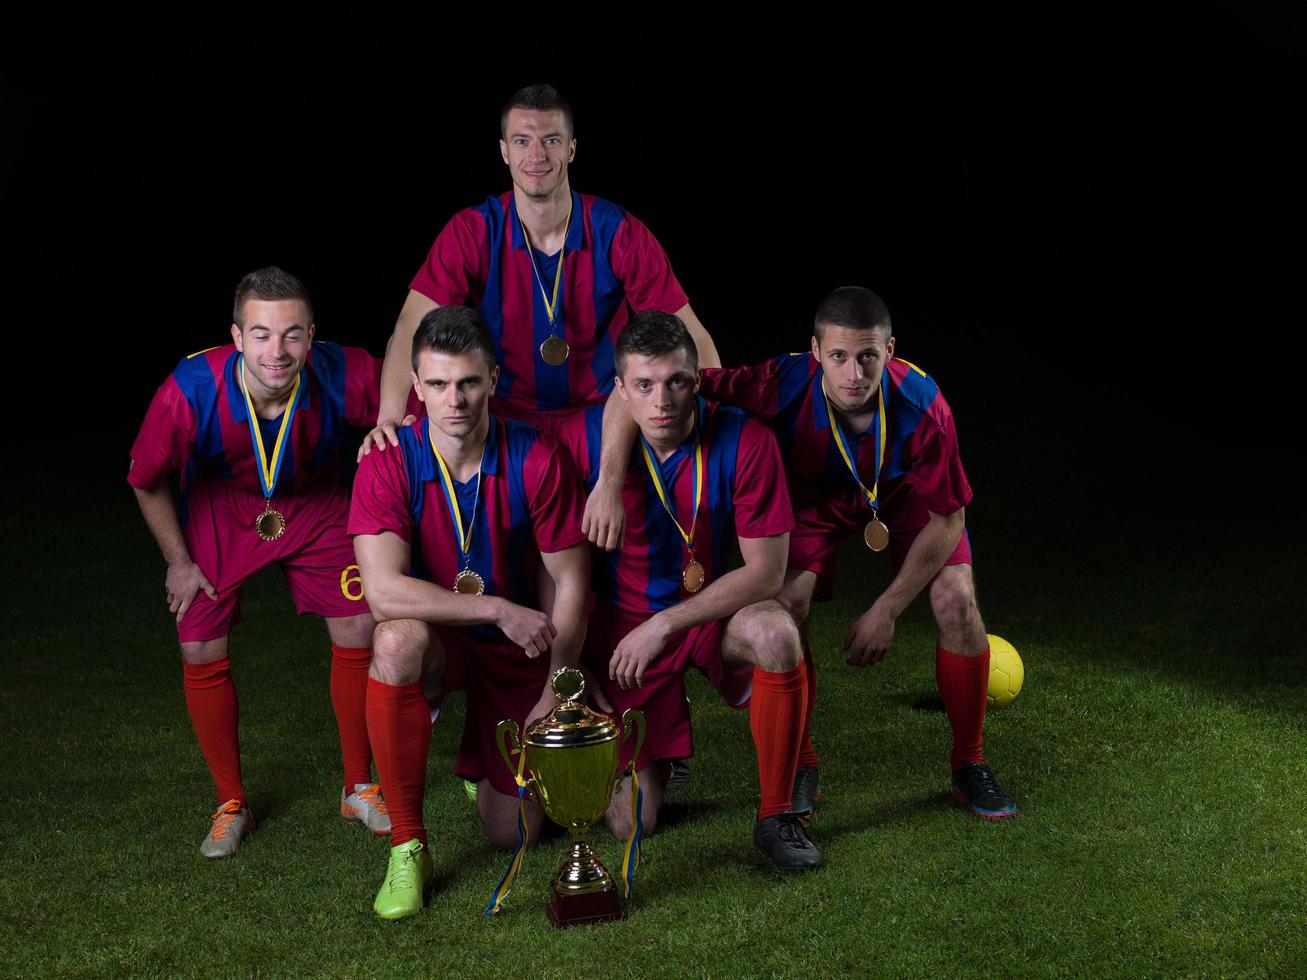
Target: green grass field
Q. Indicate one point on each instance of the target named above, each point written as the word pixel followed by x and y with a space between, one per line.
pixel 1157 753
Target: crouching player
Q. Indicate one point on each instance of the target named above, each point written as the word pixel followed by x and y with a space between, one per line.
pixel 872 450
pixel 253 428
pixel 468 537
pixel 701 479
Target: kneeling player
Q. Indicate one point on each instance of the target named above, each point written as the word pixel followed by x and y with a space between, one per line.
pixel 872 450
pixel 253 428
pixel 701 479
pixel 464 532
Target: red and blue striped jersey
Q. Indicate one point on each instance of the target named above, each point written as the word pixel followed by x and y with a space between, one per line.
pixel 198 424
pixel 744 496
pixel 613 267
pixel 921 451
pixel 529 501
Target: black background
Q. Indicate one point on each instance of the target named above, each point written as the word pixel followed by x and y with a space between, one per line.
pixel 1086 221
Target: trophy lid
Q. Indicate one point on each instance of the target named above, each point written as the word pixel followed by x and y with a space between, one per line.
pixel 571 724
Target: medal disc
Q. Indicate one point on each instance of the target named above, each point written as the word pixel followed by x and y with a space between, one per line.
pixel 554 351
pixel 468 582
pixel 270 525
pixel 693 576
pixel 876 535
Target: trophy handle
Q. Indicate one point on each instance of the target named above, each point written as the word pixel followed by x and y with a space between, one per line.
pixel 510 726
pixel 633 717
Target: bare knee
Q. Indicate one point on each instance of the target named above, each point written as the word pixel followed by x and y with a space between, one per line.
pixel 499 817
pixel 766 636
pixel 351 631
pixel 953 601
pixel 205 651
pixel 397 650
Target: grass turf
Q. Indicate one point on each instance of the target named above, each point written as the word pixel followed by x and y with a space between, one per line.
pixel 1156 753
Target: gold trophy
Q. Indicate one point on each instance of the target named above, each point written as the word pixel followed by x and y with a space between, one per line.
pixel 573 753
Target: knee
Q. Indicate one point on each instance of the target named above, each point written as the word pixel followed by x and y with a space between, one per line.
pixel 798 606
pixel 398 645
pixel 953 601
pixel 619 824
pixel 770 637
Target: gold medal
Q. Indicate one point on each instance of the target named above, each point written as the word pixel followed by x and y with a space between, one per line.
pixel 554 351
pixel 876 534
pixel 270 525
pixel 693 576
pixel 468 582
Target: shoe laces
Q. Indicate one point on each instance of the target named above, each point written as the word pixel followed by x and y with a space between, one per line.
pixel 403 867
pixel 222 820
pixel 371 795
pixel 791 831
pixel 982 780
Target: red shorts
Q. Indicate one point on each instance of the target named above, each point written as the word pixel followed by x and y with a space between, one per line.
pixel 500 682
pixel 662 697
pixel 315 553
pixel 820 530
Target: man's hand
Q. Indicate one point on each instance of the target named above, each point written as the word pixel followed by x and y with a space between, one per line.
pixel 529 629
pixel 595 693
pixel 182 584
pixel 636 652
pixel 870 636
pixel 547 703
pixel 384 433
pixel 604 520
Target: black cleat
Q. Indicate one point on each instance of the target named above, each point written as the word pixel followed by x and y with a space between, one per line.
pixel 974 785
pixel 783 839
pixel 807 791
pixel 680 774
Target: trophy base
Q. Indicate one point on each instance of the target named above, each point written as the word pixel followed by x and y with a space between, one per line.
pixel 580 909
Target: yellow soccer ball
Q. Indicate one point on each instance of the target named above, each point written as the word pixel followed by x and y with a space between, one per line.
pixel 1006 672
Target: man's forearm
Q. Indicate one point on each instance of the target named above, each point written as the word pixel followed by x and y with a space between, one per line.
pixel 405 597
pixel 924 559
pixel 736 589
pixel 397 364
pixel 617 441
pixel 160 515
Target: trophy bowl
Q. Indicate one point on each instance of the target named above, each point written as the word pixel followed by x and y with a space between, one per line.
pixel 573 755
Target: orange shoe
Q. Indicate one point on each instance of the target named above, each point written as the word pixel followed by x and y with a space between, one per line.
pixel 367 807
pixel 230 825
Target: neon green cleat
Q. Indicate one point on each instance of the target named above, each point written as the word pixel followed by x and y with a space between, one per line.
pixel 407 878
pixel 470 788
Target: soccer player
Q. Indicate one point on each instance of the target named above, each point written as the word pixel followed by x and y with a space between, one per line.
pixel 468 536
pixel 253 428
pixel 556 274
pixel 872 450
pixel 701 481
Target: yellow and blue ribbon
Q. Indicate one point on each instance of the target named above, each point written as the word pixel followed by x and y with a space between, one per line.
pixel 269 470
pixel 664 496
pixel 505 885
pixel 451 498
pixel 551 302
pixel 633 853
pixel 848 455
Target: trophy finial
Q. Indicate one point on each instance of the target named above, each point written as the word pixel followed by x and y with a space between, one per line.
pixel 568 683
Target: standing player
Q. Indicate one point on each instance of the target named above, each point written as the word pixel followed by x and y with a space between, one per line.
pixel 556 274
pixel 465 532
pixel 701 480
pixel 253 428
pixel 872 450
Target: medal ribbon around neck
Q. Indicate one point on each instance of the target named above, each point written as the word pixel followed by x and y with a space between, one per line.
pixel 841 441
pixel 269 469
pixel 663 495
pixel 551 302
pixel 451 497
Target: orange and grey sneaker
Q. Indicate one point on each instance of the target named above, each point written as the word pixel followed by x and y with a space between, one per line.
pixel 367 807
pixel 230 824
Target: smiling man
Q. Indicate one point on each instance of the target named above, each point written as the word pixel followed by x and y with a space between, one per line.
pixel 871 450
pixel 701 482
pixel 556 275
pixel 468 536
pixel 253 429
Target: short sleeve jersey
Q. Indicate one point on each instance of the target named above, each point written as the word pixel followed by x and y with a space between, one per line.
pixel 744 495
pixel 198 423
pixel 528 501
pixel 921 446
pixel 613 267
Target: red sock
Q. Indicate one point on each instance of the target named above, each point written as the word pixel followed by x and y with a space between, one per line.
pixel 211 701
pixel 349 695
pixel 776 720
pixel 963 682
pixel 399 725
pixel 807 753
